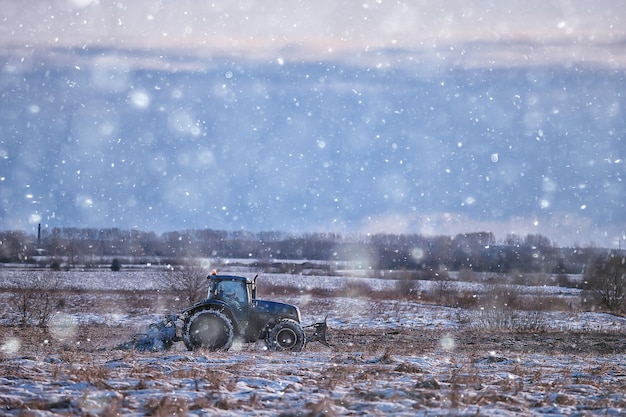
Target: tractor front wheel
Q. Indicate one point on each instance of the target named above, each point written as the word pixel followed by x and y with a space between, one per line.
pixel 208 329
pixel 286 334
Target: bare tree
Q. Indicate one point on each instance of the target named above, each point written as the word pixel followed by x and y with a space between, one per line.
pixel 188 281
pixel 444 286
pixel 605 279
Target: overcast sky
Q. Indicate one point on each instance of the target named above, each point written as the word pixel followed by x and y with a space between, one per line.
pixel 580 28
pixel 453 89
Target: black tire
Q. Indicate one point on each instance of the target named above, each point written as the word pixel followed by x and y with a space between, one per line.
pixel 286 334
pixel 208 329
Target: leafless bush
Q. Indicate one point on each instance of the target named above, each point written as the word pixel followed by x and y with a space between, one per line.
pixel 504 319
pixel 503 296
pixel 356 288
pixel 407 288
pixel 444 287
pixel 502 308
pixel 187 280
pixel 605 282
pixel 37 296
pixel 465 299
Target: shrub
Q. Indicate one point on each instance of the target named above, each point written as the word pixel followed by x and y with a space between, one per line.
pixel 116 265
pixel 465 299
pixel 605 281
pixel 37 296
pixel 355 289
pixel 444 288
pixel 406 288
pixel 510 320
pixel 503 296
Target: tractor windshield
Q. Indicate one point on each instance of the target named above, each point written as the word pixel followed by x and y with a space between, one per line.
pixel 231 291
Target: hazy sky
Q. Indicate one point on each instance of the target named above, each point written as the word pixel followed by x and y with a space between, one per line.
pixel 580 28
pixel 532 87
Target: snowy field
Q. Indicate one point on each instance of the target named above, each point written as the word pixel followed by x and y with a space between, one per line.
pixel 389 357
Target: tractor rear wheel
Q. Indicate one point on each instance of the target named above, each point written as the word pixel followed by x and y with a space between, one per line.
pixel 208 329
pixel 286 334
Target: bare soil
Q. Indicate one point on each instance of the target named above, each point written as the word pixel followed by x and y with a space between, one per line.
pixel 400 341
pixel 416 341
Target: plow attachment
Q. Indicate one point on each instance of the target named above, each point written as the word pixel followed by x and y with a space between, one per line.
pixel 160 336
pixel 317 332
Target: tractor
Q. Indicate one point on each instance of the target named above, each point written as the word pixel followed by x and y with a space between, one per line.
pixel 231 311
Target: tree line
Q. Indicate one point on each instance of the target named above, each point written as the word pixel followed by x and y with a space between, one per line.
pixel 479 251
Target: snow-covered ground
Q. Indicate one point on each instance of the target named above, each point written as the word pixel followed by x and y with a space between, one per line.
pixel 313 383
pixel 388 358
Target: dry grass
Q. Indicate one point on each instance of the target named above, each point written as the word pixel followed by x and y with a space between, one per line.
pixel 377 369
pixel 166 406
pixel 505 320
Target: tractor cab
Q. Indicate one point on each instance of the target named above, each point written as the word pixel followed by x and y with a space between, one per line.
pixel 235 291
